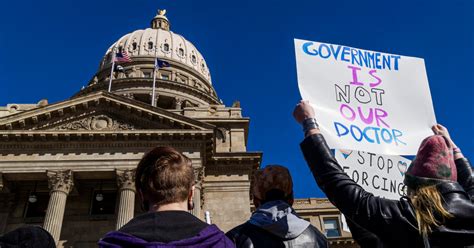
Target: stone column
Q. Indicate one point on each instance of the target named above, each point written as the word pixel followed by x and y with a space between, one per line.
pixel 60 184
pixel 198 175
pixel 2 183
pixel 7 200
pixel 173 76
pixel 177 78
pixel 126 184
pixel 178 102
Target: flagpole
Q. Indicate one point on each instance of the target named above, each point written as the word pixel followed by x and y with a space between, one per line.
pixel 112 69
pixel 153 92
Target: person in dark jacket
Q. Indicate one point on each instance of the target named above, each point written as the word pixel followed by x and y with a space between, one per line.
pixel 275 223
pixel 363 238
pixel 438 211
pixel 165 182
pixel 27 237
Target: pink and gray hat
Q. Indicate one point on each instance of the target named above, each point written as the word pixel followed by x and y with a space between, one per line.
pixel 433 164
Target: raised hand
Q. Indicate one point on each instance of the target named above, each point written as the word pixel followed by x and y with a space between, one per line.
pixel 439 129
pixel 303 110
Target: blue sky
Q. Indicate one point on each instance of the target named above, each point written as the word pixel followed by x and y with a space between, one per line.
pixel 50 49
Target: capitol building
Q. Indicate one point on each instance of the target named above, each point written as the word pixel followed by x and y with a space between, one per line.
pixel 69 166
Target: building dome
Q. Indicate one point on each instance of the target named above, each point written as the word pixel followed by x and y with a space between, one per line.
pixel 163 44
pixel 187 77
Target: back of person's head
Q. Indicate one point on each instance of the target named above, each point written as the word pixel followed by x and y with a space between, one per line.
pixel 433 164
pixel 27 236
pixel 164 176
pixel 272 183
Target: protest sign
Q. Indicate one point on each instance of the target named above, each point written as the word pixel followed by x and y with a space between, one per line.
pixel 366 100
pixel 380 175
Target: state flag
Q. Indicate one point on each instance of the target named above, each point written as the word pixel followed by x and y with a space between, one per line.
pixel 161 63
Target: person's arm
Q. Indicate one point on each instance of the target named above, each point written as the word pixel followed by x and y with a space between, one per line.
pixel 363 237
pixel 351 199
pixel 465 178
pixel 463 167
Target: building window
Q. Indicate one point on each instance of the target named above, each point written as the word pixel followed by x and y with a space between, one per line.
pixel 308 219
pixel 103 202
pixel 150 45
pixel 165 77
pixel 36 205
pixel 166 47
pixel 181 52
pixel 193 59
pixel 331 227
pixel 134 46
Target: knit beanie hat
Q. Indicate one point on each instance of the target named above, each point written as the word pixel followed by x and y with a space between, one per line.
pixel 272 177
pixel 433 164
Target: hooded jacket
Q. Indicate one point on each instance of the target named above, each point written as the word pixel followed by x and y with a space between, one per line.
pixel 392 221
pixel 166 229
pixel 275 224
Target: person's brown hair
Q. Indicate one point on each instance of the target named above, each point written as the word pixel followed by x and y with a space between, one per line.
pixel 164 176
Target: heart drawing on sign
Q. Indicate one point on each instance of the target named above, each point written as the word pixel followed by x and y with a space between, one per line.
pixel 402 167
pixel 345 153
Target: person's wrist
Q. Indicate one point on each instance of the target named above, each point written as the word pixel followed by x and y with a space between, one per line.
pixel 309 124
pixel 312 132
pixel 457 154
pixel 456 150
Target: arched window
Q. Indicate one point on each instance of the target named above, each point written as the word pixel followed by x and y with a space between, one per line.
pixel 134 46
pixel 181 52
pixel 193 58
pixel 166 47
pixel 150 45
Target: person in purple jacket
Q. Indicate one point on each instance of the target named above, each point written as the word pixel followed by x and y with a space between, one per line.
pixel 165 182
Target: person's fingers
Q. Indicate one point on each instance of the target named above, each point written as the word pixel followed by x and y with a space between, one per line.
pixel 442 127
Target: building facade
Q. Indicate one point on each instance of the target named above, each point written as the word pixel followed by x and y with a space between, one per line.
pixel 69 166
pixel 327 218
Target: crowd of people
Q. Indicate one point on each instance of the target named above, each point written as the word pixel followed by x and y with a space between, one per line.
pixel 438 210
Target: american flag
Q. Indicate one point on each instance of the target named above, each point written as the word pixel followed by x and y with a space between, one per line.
pixel 122 57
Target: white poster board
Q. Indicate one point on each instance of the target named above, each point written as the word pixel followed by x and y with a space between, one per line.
pixel 366 100
pixel 381 175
